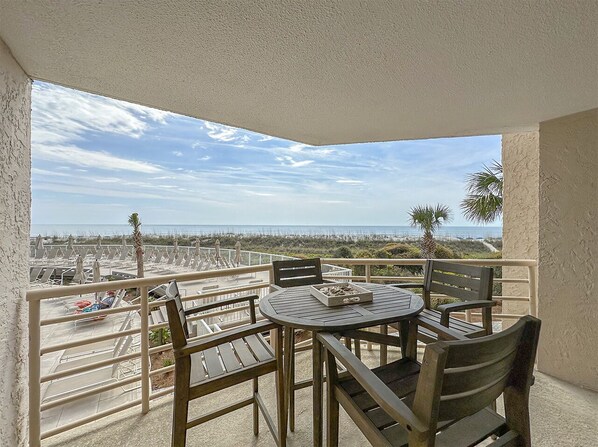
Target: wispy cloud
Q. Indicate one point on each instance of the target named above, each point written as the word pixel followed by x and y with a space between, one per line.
pixel 289 161
pixel 177 153
pixel 221 132
pixel 92 159
pixel 349 182
pixel 60 114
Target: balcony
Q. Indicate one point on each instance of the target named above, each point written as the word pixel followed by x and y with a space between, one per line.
pixel 74 402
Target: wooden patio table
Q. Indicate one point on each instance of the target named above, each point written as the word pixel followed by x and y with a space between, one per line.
pixel 296 308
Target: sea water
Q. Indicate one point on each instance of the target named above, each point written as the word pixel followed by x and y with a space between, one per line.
pixel 63 230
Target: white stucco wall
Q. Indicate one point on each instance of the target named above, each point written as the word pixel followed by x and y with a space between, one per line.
pixel 15 203
pixel 520 161
pixel 568 248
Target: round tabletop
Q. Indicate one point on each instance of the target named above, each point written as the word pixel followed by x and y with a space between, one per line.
pixel 297 308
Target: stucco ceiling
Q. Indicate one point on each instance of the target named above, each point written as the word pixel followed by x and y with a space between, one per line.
pixel 322 72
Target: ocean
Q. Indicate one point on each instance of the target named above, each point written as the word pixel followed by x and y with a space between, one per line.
pixel 63 230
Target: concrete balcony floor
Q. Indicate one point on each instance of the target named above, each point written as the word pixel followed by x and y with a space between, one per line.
pixel 562 415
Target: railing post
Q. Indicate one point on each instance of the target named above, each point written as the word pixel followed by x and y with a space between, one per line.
pixel 34 374
pixel 533 289
pixel 368 273
pixel 145 360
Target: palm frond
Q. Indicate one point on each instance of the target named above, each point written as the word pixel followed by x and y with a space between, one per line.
pixel 483 203
pixel 429 218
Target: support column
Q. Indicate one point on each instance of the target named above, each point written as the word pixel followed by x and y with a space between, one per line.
pixel 520 160
pixel 15 204
pixel 568 248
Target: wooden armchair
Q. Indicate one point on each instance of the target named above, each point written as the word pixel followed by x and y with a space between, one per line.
pixel 472 285
pixel 296 272
pixel 445 401
pixel 216 362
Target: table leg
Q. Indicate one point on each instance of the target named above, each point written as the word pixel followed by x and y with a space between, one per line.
pixel 288 368
pixel 404 336
pixel 317 391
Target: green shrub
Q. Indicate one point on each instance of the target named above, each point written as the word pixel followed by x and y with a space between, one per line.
pixel 342 252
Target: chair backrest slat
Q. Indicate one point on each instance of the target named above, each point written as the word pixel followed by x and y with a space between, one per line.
pixel 298 272
pixel 179 332
pixel 475 372
pixel 465 282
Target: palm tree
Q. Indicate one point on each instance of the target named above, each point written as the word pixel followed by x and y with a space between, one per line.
pixel 483 203
pixel 137 242
pixel 429 219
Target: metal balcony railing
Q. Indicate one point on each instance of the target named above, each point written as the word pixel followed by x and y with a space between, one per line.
pixel 133 324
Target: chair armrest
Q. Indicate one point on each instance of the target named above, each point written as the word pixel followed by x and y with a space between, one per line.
pixel 407 285
pixel 221 303
pixel 223 337
pixel 443 332
pixel 275 288
pixel 446 309
pixel 377 390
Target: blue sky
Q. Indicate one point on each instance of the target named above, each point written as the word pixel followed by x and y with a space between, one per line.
pixel 96 160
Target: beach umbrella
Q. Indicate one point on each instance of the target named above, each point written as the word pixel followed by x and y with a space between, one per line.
pixel 124 242
pixel 238 253
pixel 39 247
pixel 79 270
pixel 99 244
pixel 197 248
pixel 96 271
pixel 97 277
pixel 69 244
pixel 175 249
pixel 217 248
pixel 39 242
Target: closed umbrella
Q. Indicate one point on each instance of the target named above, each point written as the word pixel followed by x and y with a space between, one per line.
pixel 79 271
pixel 97 277
pixel 124 242
pixel 197 248
pixel 96 271
pixel 69 244
pixel 238 253
pixel 175 249
pixel 217 249
pixel 99 244
pixel 39 247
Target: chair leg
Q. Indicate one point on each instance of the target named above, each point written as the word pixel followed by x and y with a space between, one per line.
pixel 292 388
pixel 256 415
pixel 358 349
pixel 332 407
pixel 179 420
pixel 383 347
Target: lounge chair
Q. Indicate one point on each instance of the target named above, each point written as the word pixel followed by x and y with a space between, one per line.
pixel 34 273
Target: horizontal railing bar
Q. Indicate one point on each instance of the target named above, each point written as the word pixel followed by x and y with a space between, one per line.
pixel 92 392
pixel 86 315
pixel 512 280
pixel 482 262
pixel 163 370
pixel 162 392
pixel 510 298
pixel 215 293
pixel 92 418
pixel 83 289
pixel 74 344
pixel 89 367
pixel 204 316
